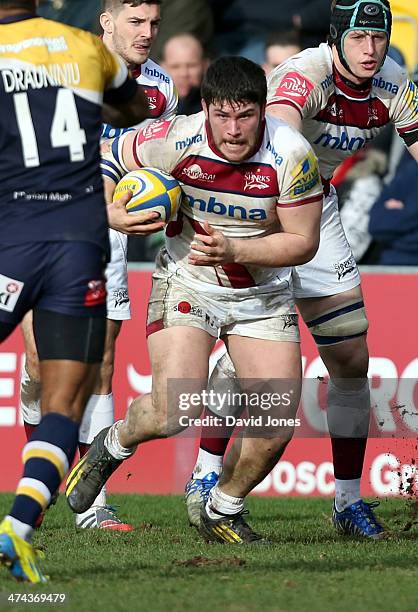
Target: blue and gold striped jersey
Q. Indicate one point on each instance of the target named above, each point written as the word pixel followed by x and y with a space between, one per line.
pixel 53 81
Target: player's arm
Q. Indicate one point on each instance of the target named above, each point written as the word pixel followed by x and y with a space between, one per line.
pixel 296 244
pixel 282 101
pixel 114 166
pixel 288 114
pixel 153 145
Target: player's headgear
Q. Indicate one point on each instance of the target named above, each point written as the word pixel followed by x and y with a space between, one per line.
pixel 349 15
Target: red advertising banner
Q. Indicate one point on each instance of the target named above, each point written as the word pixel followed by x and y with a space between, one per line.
pixel 306 468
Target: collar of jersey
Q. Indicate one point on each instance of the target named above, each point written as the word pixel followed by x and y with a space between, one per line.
pixel 213 147
pixel 19 17
pixel 350 89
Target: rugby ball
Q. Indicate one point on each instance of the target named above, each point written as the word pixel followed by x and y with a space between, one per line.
pixel 153 190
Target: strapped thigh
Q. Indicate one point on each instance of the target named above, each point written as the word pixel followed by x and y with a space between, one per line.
pixel 343 322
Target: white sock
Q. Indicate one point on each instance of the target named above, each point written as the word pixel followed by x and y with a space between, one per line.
pixel 113 445
pixel 99 413
pixel 30 398
pixel 221 503
pixel 347 492
pixel 99 501
pixel 207 463
pixel 23 530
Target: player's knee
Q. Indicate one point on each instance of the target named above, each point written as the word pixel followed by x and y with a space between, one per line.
pixel 344 322
pixel 271 448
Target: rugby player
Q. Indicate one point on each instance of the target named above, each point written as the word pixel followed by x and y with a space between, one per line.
pixel 53 235
pixel 129 28
pixel 253 205
pixel 340 95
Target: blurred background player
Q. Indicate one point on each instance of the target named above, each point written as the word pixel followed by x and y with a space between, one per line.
pixel 129 29
pixel 184 60
pixel 279 47
pixel 331 95
pixel 53 236
pixel 224 271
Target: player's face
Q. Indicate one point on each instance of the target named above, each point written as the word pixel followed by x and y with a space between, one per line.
pixel 134 30
pixel 364 51
pixel 235 128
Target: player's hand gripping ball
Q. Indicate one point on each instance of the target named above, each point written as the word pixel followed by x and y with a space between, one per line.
pixel 153 191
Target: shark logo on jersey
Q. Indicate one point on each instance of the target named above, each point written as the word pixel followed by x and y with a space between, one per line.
pixel 256 181
pixel 289 320
pixel 345 267
pixel 373 117
pixel 120 297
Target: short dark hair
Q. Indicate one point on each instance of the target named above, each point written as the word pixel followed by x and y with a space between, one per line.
pixel 283 39
pixel 234 80
pixel 18 4
pixel 109 5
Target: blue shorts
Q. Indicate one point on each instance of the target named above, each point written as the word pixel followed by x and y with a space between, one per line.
pixel 63 277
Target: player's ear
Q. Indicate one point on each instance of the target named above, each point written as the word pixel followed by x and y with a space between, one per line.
pixel 205 108
pixel 106 22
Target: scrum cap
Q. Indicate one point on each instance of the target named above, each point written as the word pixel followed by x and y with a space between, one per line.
pixel 349 15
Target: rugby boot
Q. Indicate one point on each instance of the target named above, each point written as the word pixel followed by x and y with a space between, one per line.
pixel 19 556
pixel 358 520
pixel 102 517
pixel 228 529
pixel 196 495
pixel 87 478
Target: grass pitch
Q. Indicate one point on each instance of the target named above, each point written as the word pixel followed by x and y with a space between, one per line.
pixel 163 565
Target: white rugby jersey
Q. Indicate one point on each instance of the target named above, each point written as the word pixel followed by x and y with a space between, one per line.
pixel 160 91
pixel 338 120
pixel 238 199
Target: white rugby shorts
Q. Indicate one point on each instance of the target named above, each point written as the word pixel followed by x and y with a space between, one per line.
pixel 333 269
pixel 267 314
pixel 118 304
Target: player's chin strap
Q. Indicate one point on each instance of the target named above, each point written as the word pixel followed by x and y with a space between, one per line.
pixel 343 322
pixel 111 163
pixel 349 15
